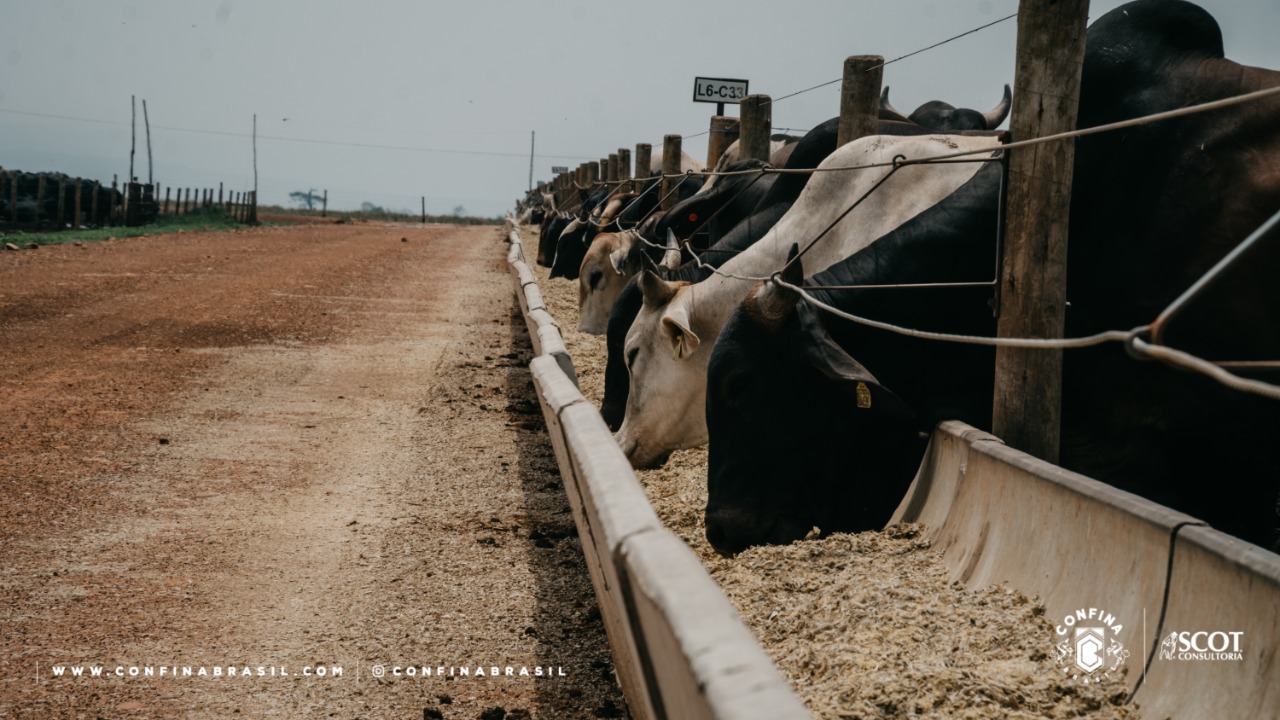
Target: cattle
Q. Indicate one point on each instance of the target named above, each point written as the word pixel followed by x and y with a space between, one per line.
pixel 610 212
pixel 664 347
pixel 938 115
pixel 549 237
pixel 610 262
pixel 741 192
pixel 780 148
pixel 812 149
pixel 818 421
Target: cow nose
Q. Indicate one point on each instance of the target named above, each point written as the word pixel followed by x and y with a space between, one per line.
pixel 732 531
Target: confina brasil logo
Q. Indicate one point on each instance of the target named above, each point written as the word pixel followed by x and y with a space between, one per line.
pixel 1086 646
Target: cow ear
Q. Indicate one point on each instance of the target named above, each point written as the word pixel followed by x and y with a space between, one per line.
pixel 683 340
pixel 770 304
pixel 618 260
pixel 828 358
pixel 656 291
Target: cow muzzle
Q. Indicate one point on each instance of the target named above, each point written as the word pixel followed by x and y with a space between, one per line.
pixel 732 530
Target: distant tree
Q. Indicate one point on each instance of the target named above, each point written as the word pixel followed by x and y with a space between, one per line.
pixel 459 211
pixel 309 199
pixel 370 207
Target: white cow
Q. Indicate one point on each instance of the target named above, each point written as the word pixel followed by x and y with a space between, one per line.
pixel 606 268
pixel 669 343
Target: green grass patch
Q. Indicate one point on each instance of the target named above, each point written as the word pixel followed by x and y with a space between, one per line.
pixel 210 219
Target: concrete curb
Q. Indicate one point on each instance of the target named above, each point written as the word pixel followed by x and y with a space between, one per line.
pixel 680 650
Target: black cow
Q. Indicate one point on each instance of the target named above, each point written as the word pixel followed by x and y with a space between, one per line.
pixel 1153 208
pixel 816 145
pixel 549 237
pixel 740 193
pixel 939 115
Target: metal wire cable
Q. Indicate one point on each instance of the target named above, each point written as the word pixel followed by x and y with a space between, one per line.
pixel 1187 361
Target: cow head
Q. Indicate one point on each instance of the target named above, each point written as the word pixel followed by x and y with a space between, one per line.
pixel 801 434
pixel 938 115
pixel 664 357
pixel 612 260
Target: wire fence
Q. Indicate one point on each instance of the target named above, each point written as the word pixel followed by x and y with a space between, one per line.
pixel 1135 339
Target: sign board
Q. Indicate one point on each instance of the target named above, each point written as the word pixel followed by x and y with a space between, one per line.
pixel 557 169
pixel 719 90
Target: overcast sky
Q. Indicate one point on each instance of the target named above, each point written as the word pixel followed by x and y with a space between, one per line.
pixel 386 101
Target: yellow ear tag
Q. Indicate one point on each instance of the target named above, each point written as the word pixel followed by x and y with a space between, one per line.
pixel 679 349
pixel 864 396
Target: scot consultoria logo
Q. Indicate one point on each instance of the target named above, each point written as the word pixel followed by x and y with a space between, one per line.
pixel 1086 646
pixel 1202 645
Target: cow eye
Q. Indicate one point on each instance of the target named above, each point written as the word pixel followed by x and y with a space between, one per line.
pixel 595 279
pixel 631 357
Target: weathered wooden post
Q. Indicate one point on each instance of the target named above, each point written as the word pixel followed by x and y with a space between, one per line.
pixel 724 130
pixel 603 170
pixel 167 191
pixel 39 199
pixel 612 168
pixel 324 207
pixel 755 125
pixel 593 173
pixel 76 206
pixel 644 160
pixel 860 98
pixel 1027 409
pixel 219 193
pixel 60 220
pixel 424 209
pixel 624 168
pixel 671 153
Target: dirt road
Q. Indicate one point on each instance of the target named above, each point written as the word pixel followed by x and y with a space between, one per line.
pixel 283 450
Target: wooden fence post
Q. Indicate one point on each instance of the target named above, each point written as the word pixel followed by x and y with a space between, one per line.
pixel 724 130
pixel 860 98
pixel 424 209
pixel 219 193
pixel 755 126
pixel 76 206
pixel 612 168
pixel 644 159
pixel 671 154
pixel 324 207
pixel 1027 408
pixel 59 220
pixel 624 166
pixel 166 200
pixel 39 198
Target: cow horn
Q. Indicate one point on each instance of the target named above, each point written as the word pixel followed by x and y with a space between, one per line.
pixel 884 102
pixel 997 114
pixel 656 291
pixel 770 303
pixel 671 258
